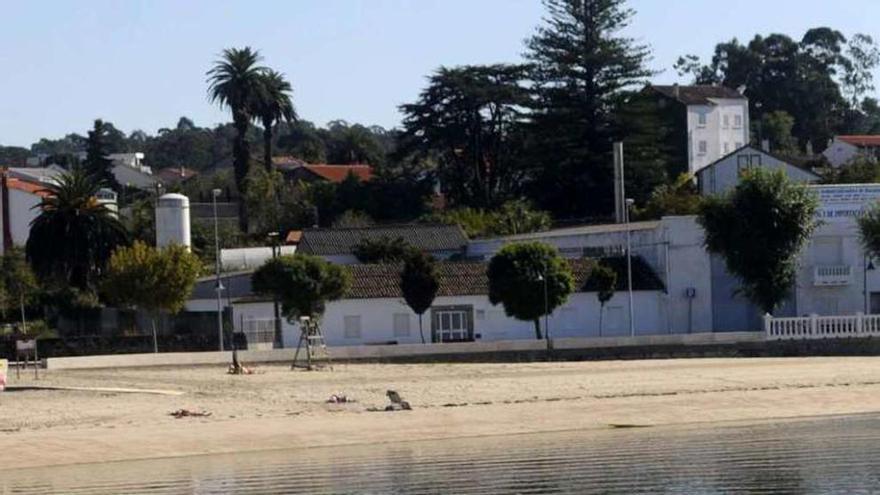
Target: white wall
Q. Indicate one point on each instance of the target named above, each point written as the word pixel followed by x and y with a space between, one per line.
pixel 839 153
pixel 714 132
pixel 725 174
pixel 21 213
pixel 250 258
pixel 579 317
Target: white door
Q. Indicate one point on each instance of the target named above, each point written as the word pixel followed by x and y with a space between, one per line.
pixel 452 326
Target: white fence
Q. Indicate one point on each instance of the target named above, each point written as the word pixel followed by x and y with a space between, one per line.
pixel 821 327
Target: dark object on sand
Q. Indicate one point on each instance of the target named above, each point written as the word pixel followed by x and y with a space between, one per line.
pixel 397 403
pixel 186 413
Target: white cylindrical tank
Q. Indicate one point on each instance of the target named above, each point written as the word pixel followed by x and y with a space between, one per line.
pixel 172 221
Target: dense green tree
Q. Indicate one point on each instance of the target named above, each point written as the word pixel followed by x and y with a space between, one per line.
pixel 347 144
pixel 13 156
pixel 304 284
pixel 605 280
pixel 302 140
pixel 150 279
pixel 419 283
pixel 351 219
pixel 72 238
pixel 97 163
pixel 581 68
pixel 18 284
pixel 383 250
pixel 518 275
pixel 776 127
pixel 859 170
pixel 235 82
pixel 759 229
pixel 469 122
pixel 513 217
pixel 272 106
pixel 678 198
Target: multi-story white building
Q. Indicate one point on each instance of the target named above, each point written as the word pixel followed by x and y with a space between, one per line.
pixel 710 121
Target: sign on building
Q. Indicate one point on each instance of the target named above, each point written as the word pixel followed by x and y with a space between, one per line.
pixel 846 201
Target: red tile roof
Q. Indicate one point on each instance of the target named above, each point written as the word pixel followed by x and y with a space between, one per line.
pixel 25 186
pixel 860 140
pixel 338 173
pixel 174 174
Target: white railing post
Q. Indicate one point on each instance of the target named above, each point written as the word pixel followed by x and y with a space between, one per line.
pixel 768 322
pixel 814 324
pixel 860 322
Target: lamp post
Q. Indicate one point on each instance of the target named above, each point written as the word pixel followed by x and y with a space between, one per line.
pixel 219 285
pixel 629 278
pixel 279 341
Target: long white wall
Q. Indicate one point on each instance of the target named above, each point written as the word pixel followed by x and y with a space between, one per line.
pixel 579 317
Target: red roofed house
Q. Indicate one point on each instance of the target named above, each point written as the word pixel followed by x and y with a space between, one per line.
pixel 844 148
pixel 18 198
pixel 298 170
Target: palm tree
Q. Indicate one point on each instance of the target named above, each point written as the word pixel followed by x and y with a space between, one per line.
pixel 273 105
pixel 234 82
pixel 74 235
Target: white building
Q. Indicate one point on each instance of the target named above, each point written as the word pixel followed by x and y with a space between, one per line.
pixel 18 201
pixel 724 174
pixel 715 121
pixel 842 149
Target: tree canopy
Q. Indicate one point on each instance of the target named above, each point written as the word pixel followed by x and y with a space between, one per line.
pixel 517 277
pixel 759 228
pixel 419 283
pixel 304 284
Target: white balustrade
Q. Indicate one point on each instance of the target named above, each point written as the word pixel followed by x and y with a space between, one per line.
pixel 821 327
pixel 832 275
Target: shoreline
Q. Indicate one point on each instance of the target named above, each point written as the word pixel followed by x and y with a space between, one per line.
pixel 284 410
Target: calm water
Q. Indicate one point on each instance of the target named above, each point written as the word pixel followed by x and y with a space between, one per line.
pixel 826 456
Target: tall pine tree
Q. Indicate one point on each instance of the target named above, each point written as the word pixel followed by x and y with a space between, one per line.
pixel 97 164
pixel 581 69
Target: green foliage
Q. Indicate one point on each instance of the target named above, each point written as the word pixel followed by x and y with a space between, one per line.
pixel 869 231
pixel 274 205
pixel 271 106
pixel 776 127
pixel 141 276
pixel 352 219
pixel 419 283
pixel 859 170
pixel 468 121
pixel 73 236
pixel 759 228
pixel 605 280
pixel 97 164
pixel 679 198
pixel 18 284
pixel 580 67
pixel 140 220
pixel 303 284
pixel 513 217
pixel 383 250
pixel 515 281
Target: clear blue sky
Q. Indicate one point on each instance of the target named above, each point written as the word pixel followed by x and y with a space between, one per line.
pixel 142 64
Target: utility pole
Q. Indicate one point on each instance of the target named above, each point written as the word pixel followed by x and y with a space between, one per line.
pixel 629 277
pixel 276 248
pixel 219 285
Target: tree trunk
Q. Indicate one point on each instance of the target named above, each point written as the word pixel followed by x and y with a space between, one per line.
pixel 538 328
pixel 23 321
pixel 240 162
pixel 421 333
pixel 155 335
pixel 267 145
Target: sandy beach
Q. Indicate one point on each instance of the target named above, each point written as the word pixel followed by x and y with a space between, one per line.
pixel 277 408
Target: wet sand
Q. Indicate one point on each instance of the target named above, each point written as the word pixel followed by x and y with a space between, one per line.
pixel 278 408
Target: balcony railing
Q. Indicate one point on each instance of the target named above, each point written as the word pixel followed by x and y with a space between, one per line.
pixel 822 327
pixel 832 275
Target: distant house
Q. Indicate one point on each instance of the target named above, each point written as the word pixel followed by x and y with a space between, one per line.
pixel 338 245
pixel 842 149
pixel 175 175
pixel 724 174
pixel 706 122
pixel 295 170
pixel 18 200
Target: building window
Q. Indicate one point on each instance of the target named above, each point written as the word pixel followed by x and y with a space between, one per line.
pixel 401 325
pixel 737 121
pixel 452 324
pixel 726 121
pixel 726 147
pixel 352 327
pixel 701 119
pixel 755 160
pixel 701 147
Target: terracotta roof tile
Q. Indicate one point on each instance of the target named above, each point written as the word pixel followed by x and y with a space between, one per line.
pixel 426 237
pixel 698 94
pixel 860 140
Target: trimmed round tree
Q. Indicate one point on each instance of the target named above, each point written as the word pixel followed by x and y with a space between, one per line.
pixel 759 228
pixel 517 277
pixel 604 278
pixel 304 284
pixel 419 284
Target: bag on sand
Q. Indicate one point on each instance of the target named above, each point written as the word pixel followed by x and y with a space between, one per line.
pixel 4 367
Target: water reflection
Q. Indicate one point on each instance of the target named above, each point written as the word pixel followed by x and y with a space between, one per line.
pixel 839 455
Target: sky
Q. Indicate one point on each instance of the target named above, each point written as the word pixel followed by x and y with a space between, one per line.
pixel 142 64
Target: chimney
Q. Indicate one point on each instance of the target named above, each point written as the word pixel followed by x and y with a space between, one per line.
pixel 765 145
pixel 676 91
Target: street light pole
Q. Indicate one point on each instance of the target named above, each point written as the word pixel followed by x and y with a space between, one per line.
pixel 219 285
pixel 279 341
pixel 629 278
